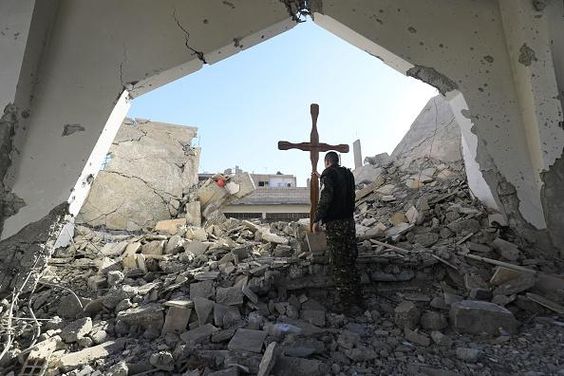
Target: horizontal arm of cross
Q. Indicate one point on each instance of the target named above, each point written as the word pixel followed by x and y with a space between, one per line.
pixel 308 146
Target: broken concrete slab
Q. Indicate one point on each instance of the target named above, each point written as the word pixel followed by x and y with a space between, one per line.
pixel 508 250
pixel 406 315
pixel 193 213
pixel 204 308
pixel 247 340
pixel 149 316
pixel 177 316
pixel 200 334
pixel 268 360
pixel 170 226
pixel 288 366
pixel 76 330
pixel 204 289
pixel 229 295
pixel 74 360
pixel 477 317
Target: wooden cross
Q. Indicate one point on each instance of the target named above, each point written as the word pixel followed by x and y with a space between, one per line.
pixel 314 147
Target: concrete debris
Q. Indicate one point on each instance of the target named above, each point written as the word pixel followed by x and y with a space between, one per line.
pixel 263 299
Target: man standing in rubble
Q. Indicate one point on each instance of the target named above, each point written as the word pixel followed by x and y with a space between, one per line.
pixel 335 210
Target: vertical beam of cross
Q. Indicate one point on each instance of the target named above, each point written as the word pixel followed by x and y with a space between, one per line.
pixel 314 147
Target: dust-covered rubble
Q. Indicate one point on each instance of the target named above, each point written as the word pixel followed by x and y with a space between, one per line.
pixel 448 290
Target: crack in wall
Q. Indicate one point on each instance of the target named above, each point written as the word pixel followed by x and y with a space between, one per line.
pixel 161 194
pixel 198 54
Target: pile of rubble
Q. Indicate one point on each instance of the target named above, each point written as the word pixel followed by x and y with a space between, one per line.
pixel 448 290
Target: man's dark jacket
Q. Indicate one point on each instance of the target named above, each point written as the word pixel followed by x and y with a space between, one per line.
pixel 337 196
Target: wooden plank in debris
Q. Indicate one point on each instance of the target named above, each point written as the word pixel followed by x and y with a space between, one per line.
pixel 553 306
pixel 497 262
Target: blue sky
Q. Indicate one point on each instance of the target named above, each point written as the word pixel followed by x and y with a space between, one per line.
pixel 245 104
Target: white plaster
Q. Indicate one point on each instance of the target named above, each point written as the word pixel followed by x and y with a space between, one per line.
pixel 15 20
pixel 365 44
pixel 476 181
pixel 535 84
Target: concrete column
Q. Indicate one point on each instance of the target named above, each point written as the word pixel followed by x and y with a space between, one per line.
pixel 357 154
pixel 532 35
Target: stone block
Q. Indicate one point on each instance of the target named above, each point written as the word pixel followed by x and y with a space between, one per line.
pixel 432 320
pixel 79 358
pixel 155 247
pixel 149 316
pixel 229 295
pixel 193 213
pixel 204 308
pixel 503 274
pixel 289 366
pixel 176 319
pixel 225 316
pixel 476 317
pixel 268 360
pixel 196 233
pixel 247 340
pixel 250 294
pixel 200 334
pixel 313 316
pixel 97 282
pixel 114 249
pixel 204 289
pixel 174 245
pixel 196 247
pixel 267 236
pixel 416 337
pixel 467 354
pixel 406 315
pixel 514 286
pixel 507 250
pixel 170 226
pixel 76 330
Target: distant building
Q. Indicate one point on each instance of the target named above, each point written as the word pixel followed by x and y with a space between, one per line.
pixel 278 180
pixel 272 204
pixel 276 198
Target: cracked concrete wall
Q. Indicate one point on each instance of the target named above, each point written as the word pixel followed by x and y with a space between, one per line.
pixel 91 55
pixel 473 47
pixel 150 165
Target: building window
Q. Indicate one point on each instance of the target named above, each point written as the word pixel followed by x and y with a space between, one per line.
pixel 285 216
pixel 263 184
pixel 243 215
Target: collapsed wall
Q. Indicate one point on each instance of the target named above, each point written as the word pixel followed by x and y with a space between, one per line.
pixel 434 134
pixel 148 168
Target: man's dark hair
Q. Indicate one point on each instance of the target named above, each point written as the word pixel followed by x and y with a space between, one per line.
pixel 332 158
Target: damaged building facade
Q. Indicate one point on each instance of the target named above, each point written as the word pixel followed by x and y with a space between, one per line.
pixel 70 68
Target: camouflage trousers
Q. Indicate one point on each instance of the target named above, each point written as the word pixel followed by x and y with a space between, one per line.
pixel 341 243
